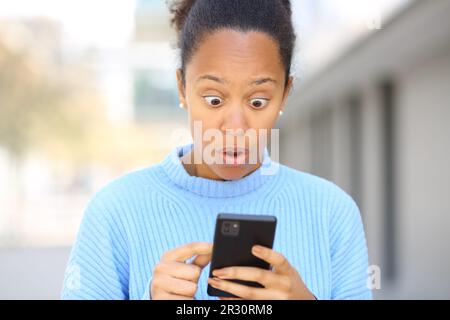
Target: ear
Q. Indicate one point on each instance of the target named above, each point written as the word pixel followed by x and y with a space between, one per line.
pixel 181 88
pixel 287 91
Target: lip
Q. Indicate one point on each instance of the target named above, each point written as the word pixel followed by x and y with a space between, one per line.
pixel 234 156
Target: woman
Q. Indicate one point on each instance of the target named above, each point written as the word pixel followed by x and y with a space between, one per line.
pixel 148 235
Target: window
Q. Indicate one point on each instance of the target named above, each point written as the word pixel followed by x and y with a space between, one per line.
pixel 155 95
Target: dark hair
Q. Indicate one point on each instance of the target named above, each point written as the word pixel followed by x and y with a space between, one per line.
pixel 195 19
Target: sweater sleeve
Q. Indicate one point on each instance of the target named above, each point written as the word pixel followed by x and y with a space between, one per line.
pixel 98 264
pixel 349 257
pixel 147 295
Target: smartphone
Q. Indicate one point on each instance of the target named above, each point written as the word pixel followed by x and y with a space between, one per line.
pixel 234 237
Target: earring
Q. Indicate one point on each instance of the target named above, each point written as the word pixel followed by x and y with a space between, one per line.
pixel 181 105
pixel 281 112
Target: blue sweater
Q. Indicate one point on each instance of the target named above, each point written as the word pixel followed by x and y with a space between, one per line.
pixel 132 221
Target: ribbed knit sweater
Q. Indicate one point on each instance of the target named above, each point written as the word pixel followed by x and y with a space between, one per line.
pixel 133 220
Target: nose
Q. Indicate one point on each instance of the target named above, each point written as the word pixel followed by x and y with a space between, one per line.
pixel 234 118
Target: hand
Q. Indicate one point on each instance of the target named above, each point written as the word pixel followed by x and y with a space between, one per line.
pixel 284 282
pixel 173 278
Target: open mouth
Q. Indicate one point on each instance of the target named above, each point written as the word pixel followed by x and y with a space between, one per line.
pixel 234 156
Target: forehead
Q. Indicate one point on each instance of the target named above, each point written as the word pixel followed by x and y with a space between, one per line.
pixel 236 54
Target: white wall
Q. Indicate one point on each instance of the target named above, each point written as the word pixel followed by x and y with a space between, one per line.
pixel 32 273
pixel 424 178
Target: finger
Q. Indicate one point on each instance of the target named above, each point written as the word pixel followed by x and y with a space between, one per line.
pixel 276 259
pixel 174 286
pixel 178 270
pixel 242 291
pixel 202 260
pixel 265 277
pixel 186 251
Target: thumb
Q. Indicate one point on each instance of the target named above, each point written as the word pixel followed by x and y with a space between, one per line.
pixel 202 260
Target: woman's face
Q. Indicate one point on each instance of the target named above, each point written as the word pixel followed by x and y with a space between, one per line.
pixel 234 86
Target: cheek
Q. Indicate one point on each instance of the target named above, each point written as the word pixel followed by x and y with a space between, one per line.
pixel 263 120
pixel 201 121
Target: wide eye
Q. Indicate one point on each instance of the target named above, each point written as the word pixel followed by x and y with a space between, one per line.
pixel 259 103
pixel 214 101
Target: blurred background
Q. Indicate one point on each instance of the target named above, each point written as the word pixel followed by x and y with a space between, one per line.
pixel 88 93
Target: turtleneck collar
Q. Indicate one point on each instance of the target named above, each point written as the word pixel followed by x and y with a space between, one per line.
pixel 214 188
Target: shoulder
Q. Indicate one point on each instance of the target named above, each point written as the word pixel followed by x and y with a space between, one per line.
pixel 322 193
pixel 307 182
pixel 122 191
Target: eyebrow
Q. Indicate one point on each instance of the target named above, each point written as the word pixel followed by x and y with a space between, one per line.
pixel 223 81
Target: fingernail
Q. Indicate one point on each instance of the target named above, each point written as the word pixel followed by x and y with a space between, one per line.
pixel 214 282
pixel 219 272
pixel 257 249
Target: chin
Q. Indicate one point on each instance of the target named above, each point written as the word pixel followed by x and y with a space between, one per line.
pixel 232 172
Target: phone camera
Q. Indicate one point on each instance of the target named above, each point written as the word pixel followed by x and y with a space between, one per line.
pixel 230 228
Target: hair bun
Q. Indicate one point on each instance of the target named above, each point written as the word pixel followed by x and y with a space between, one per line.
pixel 179 10
pixel 287 6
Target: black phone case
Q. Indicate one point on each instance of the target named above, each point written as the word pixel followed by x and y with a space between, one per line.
pixel 235 250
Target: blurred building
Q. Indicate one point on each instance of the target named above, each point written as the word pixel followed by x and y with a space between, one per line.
pixel 376 121
pixel 153 65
